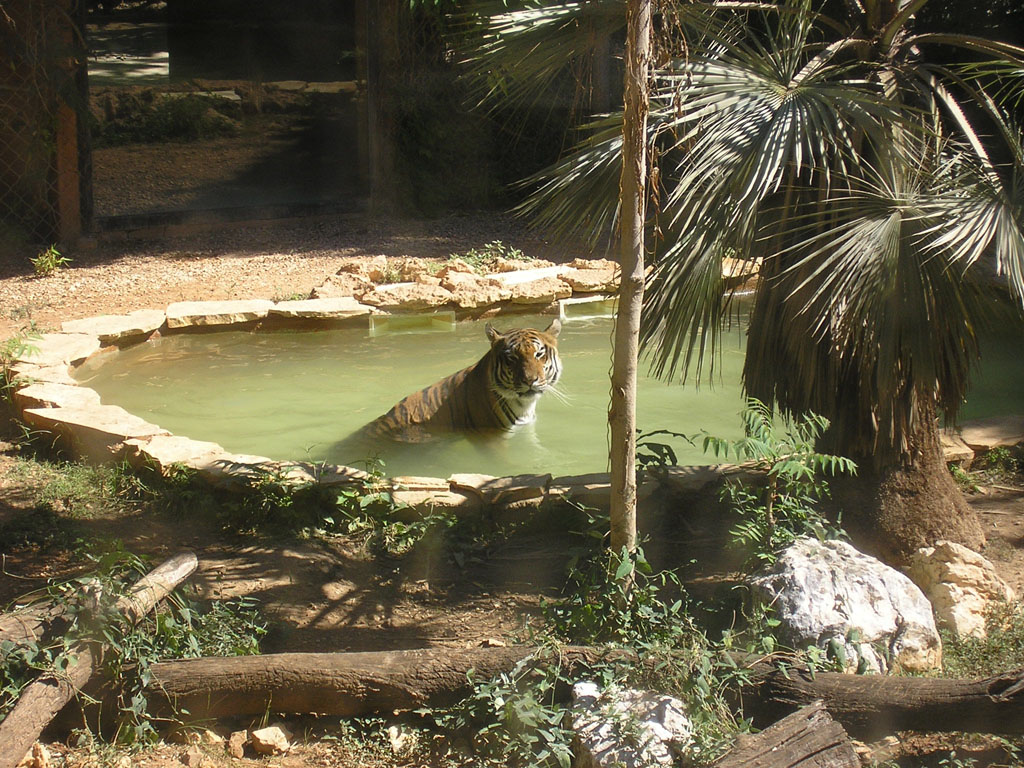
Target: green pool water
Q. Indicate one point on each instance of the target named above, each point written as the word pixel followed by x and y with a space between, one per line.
pixel 297 395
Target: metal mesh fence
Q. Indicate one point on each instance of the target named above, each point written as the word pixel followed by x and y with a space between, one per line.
pixel 37 40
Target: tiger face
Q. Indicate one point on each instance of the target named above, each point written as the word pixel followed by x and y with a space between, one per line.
pixel 525 361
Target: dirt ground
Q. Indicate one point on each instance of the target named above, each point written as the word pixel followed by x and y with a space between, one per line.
pixel 319 594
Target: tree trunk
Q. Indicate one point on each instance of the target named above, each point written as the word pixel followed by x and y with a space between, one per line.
pixel 893 511
pixel 383 59
pixel 808 738
pixel 354 684
pixel 632 206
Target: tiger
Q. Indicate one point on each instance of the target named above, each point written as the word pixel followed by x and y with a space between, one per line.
pixel 498 392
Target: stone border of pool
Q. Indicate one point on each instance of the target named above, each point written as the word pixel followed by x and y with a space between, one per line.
pixel 49 398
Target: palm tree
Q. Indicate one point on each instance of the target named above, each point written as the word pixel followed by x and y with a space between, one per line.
pixel 853 160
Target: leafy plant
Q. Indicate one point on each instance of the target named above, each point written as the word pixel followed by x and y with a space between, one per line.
pixel 1001 649
pixel 49 262
pixel 485 258
pixel 177 628
pixel 785 509
pixel 516 719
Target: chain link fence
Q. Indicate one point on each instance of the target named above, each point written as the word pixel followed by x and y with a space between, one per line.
pixel 40 45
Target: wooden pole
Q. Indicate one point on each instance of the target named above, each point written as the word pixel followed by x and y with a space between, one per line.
pixel 632 205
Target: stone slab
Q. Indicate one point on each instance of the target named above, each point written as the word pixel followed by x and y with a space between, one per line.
pixel 60 349
pixel 164 451
pixel 520 276
pixel 329 475
pixel 112 328
pixel 239 469
pixel 320 309
pixel 502 490
pixel 51 395
pixel 543 291
pixel 955 450
pixel 97 434
pixel 184 314
pixel 27 373
pixel 417 483
pixel 420 503
pixel 994 432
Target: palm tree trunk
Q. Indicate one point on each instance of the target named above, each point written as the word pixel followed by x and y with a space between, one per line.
pixel 632 189
pixel 893 511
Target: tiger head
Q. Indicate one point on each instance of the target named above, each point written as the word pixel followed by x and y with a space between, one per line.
pixel 526 361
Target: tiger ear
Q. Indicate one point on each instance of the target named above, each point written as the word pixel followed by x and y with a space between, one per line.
pixel 554 328
pixel 492 334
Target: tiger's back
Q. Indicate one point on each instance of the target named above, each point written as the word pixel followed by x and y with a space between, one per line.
pixel 497 392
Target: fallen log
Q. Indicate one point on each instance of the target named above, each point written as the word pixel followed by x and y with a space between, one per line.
pixel 869 706
pixel 355 684
pixel 42 699
pixel 808 738
pixel 32 623
pixel 44 619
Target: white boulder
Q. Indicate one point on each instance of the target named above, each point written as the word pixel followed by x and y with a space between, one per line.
pixel 830 594
pixel 627 728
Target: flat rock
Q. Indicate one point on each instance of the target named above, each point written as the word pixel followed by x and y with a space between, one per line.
pixel 501 264
pixel 336 474
pixel 592 490
pixel 164 451
pixel 591 280
pixel 955 450
pixel 321 309
pixel 59 349
pixel 528 275
pixel 50 395
pixel 183 314
pixel 995 432
pixel 334 86
pixel 422 502
pixel 28 373
pixel 408 296
pixel 417 483
pixel 502 490
pixel 113 328
pixel 97 433
pixel 543 291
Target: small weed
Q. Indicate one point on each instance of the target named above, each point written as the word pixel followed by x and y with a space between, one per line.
pixel 484 259
pixel 297 296
pixel 49 262
pixel 1001 463
pixel 964 480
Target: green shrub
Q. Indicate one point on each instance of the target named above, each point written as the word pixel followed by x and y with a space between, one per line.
pixel 49 262
pixel 1001 649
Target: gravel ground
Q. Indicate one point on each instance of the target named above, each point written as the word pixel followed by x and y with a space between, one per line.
pixel 271 261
